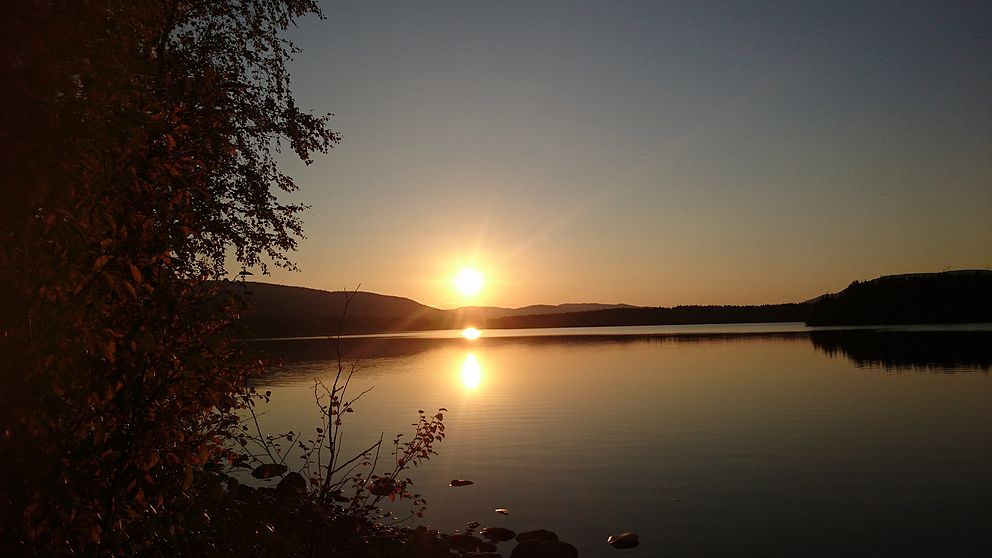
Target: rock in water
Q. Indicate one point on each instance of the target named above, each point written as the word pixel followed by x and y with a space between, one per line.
pixel 291 488
pixel 624 540
pixel 544 549
pixel 382 486
pixel 269 470
pixel 497 534
pixel 458 482
pixel 465 543
pixel 537 535
pixel 427 543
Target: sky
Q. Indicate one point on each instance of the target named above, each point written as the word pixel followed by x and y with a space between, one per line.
pixel 650 153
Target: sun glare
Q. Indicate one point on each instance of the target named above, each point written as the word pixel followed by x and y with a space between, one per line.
pixel 468 281
pixel 471 333
pixel 471 372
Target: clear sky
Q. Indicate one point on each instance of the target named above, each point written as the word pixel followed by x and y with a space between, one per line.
pixel 653 153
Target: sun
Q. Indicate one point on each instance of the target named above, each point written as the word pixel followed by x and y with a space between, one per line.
pixel 468 281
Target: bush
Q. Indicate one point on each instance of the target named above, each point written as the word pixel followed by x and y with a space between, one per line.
pixel 136 155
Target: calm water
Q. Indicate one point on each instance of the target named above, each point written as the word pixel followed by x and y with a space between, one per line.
pixel 768 440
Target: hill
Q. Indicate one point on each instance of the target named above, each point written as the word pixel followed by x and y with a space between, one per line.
pixel 281 311
pixel 917 298
pixel 948 297
pixel 656 316
pixel 284 311
pixel 485 313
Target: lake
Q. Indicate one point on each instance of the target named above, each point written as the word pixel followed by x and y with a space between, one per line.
pixel 729 440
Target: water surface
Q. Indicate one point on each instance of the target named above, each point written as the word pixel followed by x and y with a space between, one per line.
pixel 723 440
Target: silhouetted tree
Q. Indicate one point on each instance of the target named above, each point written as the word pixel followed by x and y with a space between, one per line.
pixel 138 143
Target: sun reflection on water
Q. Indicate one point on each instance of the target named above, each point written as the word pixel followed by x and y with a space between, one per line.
pixel 471 333
pixel 471 372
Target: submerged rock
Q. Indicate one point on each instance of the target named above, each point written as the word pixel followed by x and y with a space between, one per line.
pixel 269 470
pixel 382 486
pixel 459 482
pixel 497 534
pixel 426 543
pixel 464 542
pixel 544 549
pixel 537 535
pixel 624 540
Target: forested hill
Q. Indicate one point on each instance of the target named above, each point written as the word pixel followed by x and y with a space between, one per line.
pixel 949 297
pixel 657 316
pixel 282 311
pixel 918 298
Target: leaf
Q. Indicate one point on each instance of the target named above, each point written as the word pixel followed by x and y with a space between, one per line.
pixel 100 262
pixel 188 478
pixel 109 349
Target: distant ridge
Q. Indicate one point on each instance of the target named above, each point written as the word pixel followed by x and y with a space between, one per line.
pixel 284 311
pixel 281 311
pixel 495 312
pixel 678 315
pixel 945 297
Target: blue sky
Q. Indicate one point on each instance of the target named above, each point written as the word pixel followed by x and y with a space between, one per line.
pixel 653 153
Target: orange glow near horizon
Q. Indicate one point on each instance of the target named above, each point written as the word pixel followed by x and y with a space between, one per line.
pixel 471 333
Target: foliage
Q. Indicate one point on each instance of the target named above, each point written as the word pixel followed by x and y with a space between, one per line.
pixel 138 151
pixel 349 487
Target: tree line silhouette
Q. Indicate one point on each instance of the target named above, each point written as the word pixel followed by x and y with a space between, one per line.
pixel 920 298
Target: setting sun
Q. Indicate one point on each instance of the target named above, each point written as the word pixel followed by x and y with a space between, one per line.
pixel 468 281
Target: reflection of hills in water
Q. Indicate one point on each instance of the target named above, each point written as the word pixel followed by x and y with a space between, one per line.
pixel 312 349
pixel 945 351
